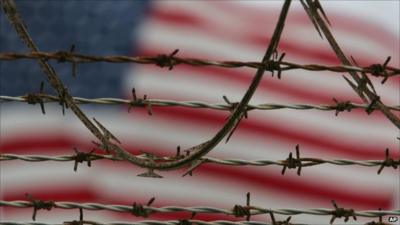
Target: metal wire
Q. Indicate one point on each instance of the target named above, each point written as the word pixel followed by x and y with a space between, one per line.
pixel 171 60
pixel 230 162
pixel 190 104
pixel 200 209
pixel 157 222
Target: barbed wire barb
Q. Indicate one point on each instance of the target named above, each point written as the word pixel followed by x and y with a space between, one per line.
pixel 341 212
pixel 388 162
pixel 76 222
pixel 34 98
pixel 274 222
pixel 38 204
pixel 81 157
pixel 293 163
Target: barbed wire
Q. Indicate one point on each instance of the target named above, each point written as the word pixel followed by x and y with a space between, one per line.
pixel 163 60
pixel 155 222
pixel 254 210
pixel 361 84
pixel 167 222
pixel 345 105
pixel 172 60
pixel 247 210
pixel 306 162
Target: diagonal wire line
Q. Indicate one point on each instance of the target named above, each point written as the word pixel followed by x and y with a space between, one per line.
pixel 200 209
pixel 172 60
pixel 190 104
pixel 229 162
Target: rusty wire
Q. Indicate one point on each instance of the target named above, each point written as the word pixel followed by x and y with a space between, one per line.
pixel 65 100
pixel 200 209
pixel 306 162
pixel 193 104
pixel 172 60
pixel 169 222
pixel 154 222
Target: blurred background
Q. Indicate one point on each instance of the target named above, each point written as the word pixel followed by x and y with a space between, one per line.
pixel 217 30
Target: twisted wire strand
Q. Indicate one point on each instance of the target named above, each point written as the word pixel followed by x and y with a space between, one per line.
pixel 254 210
pixel 172 60
pixel 230 162
pixel 190 104
pixel 156 222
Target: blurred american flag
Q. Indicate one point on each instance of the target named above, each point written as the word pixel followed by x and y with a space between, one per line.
pixel 217 30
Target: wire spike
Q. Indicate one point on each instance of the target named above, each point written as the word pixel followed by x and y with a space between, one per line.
pixel 318 5
pixel 150 173
pixel 307 9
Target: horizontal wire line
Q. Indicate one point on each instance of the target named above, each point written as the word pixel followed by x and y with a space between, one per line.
pixel 155 222
pixel 200 209
pixel 171 60
pixel 231 162
pixel 190 104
